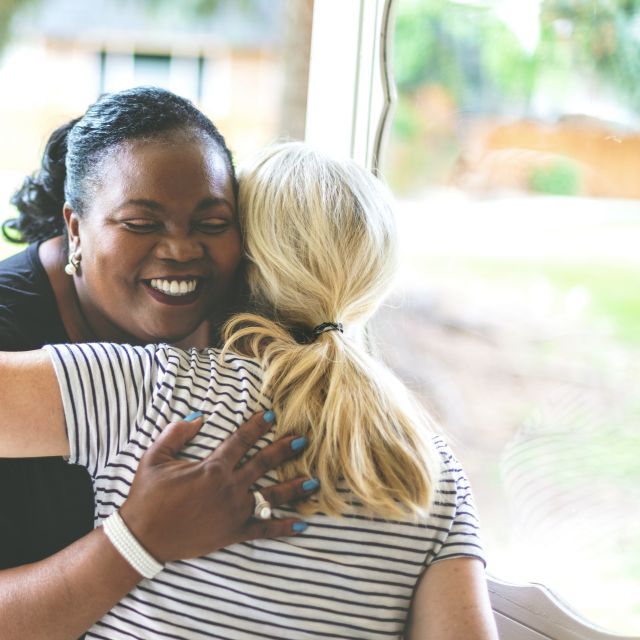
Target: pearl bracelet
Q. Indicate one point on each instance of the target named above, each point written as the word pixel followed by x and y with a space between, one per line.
pixel 129 548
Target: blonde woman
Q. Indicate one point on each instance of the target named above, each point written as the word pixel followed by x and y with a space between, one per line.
pixel 389 544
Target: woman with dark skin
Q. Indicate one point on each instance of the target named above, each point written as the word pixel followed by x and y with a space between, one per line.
pixel 144 187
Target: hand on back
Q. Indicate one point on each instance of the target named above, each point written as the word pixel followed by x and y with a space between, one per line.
pixel 180 509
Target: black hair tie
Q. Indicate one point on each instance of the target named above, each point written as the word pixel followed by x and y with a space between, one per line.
pixel 327 326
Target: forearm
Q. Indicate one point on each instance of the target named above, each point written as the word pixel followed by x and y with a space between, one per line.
pixel 62 596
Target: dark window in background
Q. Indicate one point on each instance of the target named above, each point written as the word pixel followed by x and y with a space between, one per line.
pixel 153 69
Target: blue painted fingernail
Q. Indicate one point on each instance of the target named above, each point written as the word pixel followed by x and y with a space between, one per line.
pixel 298 443
pixel 299 527
pixel 193 416
pixel 269 416
pixel 310 485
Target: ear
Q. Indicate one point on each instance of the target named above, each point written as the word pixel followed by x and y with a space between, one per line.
pixel 73 226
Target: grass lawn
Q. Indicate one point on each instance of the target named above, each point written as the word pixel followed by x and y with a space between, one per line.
pixel 613 288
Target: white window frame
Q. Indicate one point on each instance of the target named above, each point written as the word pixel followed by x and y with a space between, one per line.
pixel 351 63
pixel 351 48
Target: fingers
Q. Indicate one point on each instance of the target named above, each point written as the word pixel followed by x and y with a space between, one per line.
pixel 276 495
pixel 234 448
pixel 173 438
pixel 272 456
pixel 273 528
pixel 291 491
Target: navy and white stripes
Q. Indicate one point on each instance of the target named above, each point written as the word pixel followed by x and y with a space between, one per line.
pixel 349 577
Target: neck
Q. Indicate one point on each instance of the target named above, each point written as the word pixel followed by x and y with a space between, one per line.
pixel 53 256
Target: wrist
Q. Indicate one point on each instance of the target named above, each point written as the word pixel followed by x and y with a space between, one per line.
pixel 141 527
pixel 129 547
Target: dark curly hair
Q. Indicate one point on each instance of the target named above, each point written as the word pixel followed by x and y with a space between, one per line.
pixel 71 160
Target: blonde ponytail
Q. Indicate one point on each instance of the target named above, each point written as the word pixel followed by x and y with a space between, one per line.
pixel 320 240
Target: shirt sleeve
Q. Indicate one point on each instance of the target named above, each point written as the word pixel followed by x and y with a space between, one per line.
pixel 106 391
pixel 455 509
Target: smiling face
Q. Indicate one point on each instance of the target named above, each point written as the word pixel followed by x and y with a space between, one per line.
pixel 159 242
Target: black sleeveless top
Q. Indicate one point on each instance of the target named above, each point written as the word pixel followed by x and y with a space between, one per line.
pixel 45 503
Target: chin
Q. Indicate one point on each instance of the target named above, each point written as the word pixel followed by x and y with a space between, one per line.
pixel 176 336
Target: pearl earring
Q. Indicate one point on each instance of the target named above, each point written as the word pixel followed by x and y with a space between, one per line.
pixel 71 268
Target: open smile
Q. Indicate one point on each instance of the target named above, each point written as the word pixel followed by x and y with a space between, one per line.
pixel 175 290
pixel 174 287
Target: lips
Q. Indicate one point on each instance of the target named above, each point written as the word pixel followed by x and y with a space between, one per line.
pixel 175 290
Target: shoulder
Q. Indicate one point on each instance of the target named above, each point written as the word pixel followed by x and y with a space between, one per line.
pixel 448 460
pixel 455 508
pixel 241 366
pixel 452 484
pixel 23 266
pixel 230 369
pixel 23 277
pixel 29 315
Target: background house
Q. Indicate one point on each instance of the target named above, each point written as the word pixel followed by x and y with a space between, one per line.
pixel 233 59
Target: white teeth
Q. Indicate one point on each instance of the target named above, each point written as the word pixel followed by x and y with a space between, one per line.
pixel 174 287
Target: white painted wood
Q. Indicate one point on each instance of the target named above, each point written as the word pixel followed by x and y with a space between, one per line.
pixel 509 629
pixel 350 93
pixel 522 610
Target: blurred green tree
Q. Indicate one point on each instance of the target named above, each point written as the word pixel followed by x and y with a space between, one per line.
pixel 468 49
pixel 462 47
pixel 7 10
pixel 604 37
pixel 457 58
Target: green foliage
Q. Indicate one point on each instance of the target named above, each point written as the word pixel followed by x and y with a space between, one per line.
pixel 464 48
pixel 604 37
pixel 613 299
pixel 8 8
pixel 560 178
pixel 405 122
pixel 469 50
pixel 198 7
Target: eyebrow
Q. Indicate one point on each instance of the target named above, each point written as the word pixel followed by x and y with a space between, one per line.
pixel 157 207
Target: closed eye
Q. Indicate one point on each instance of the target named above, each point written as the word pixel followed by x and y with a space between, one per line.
pixel 214 226
pixel 141 226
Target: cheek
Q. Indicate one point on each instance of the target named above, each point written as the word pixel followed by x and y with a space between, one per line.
pixel 112 259
pixel 98 246
pixel 226 253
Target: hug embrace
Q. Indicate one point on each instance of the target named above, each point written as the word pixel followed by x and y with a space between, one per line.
pixel 253 471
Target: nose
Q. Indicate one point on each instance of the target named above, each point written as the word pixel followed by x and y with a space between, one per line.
pixel 179 248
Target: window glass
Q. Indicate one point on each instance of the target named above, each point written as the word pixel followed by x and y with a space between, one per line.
pixel 231 57
pixel 152 69
pixel 515 157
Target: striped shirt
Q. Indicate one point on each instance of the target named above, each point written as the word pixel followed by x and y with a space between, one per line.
pixel 347 577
